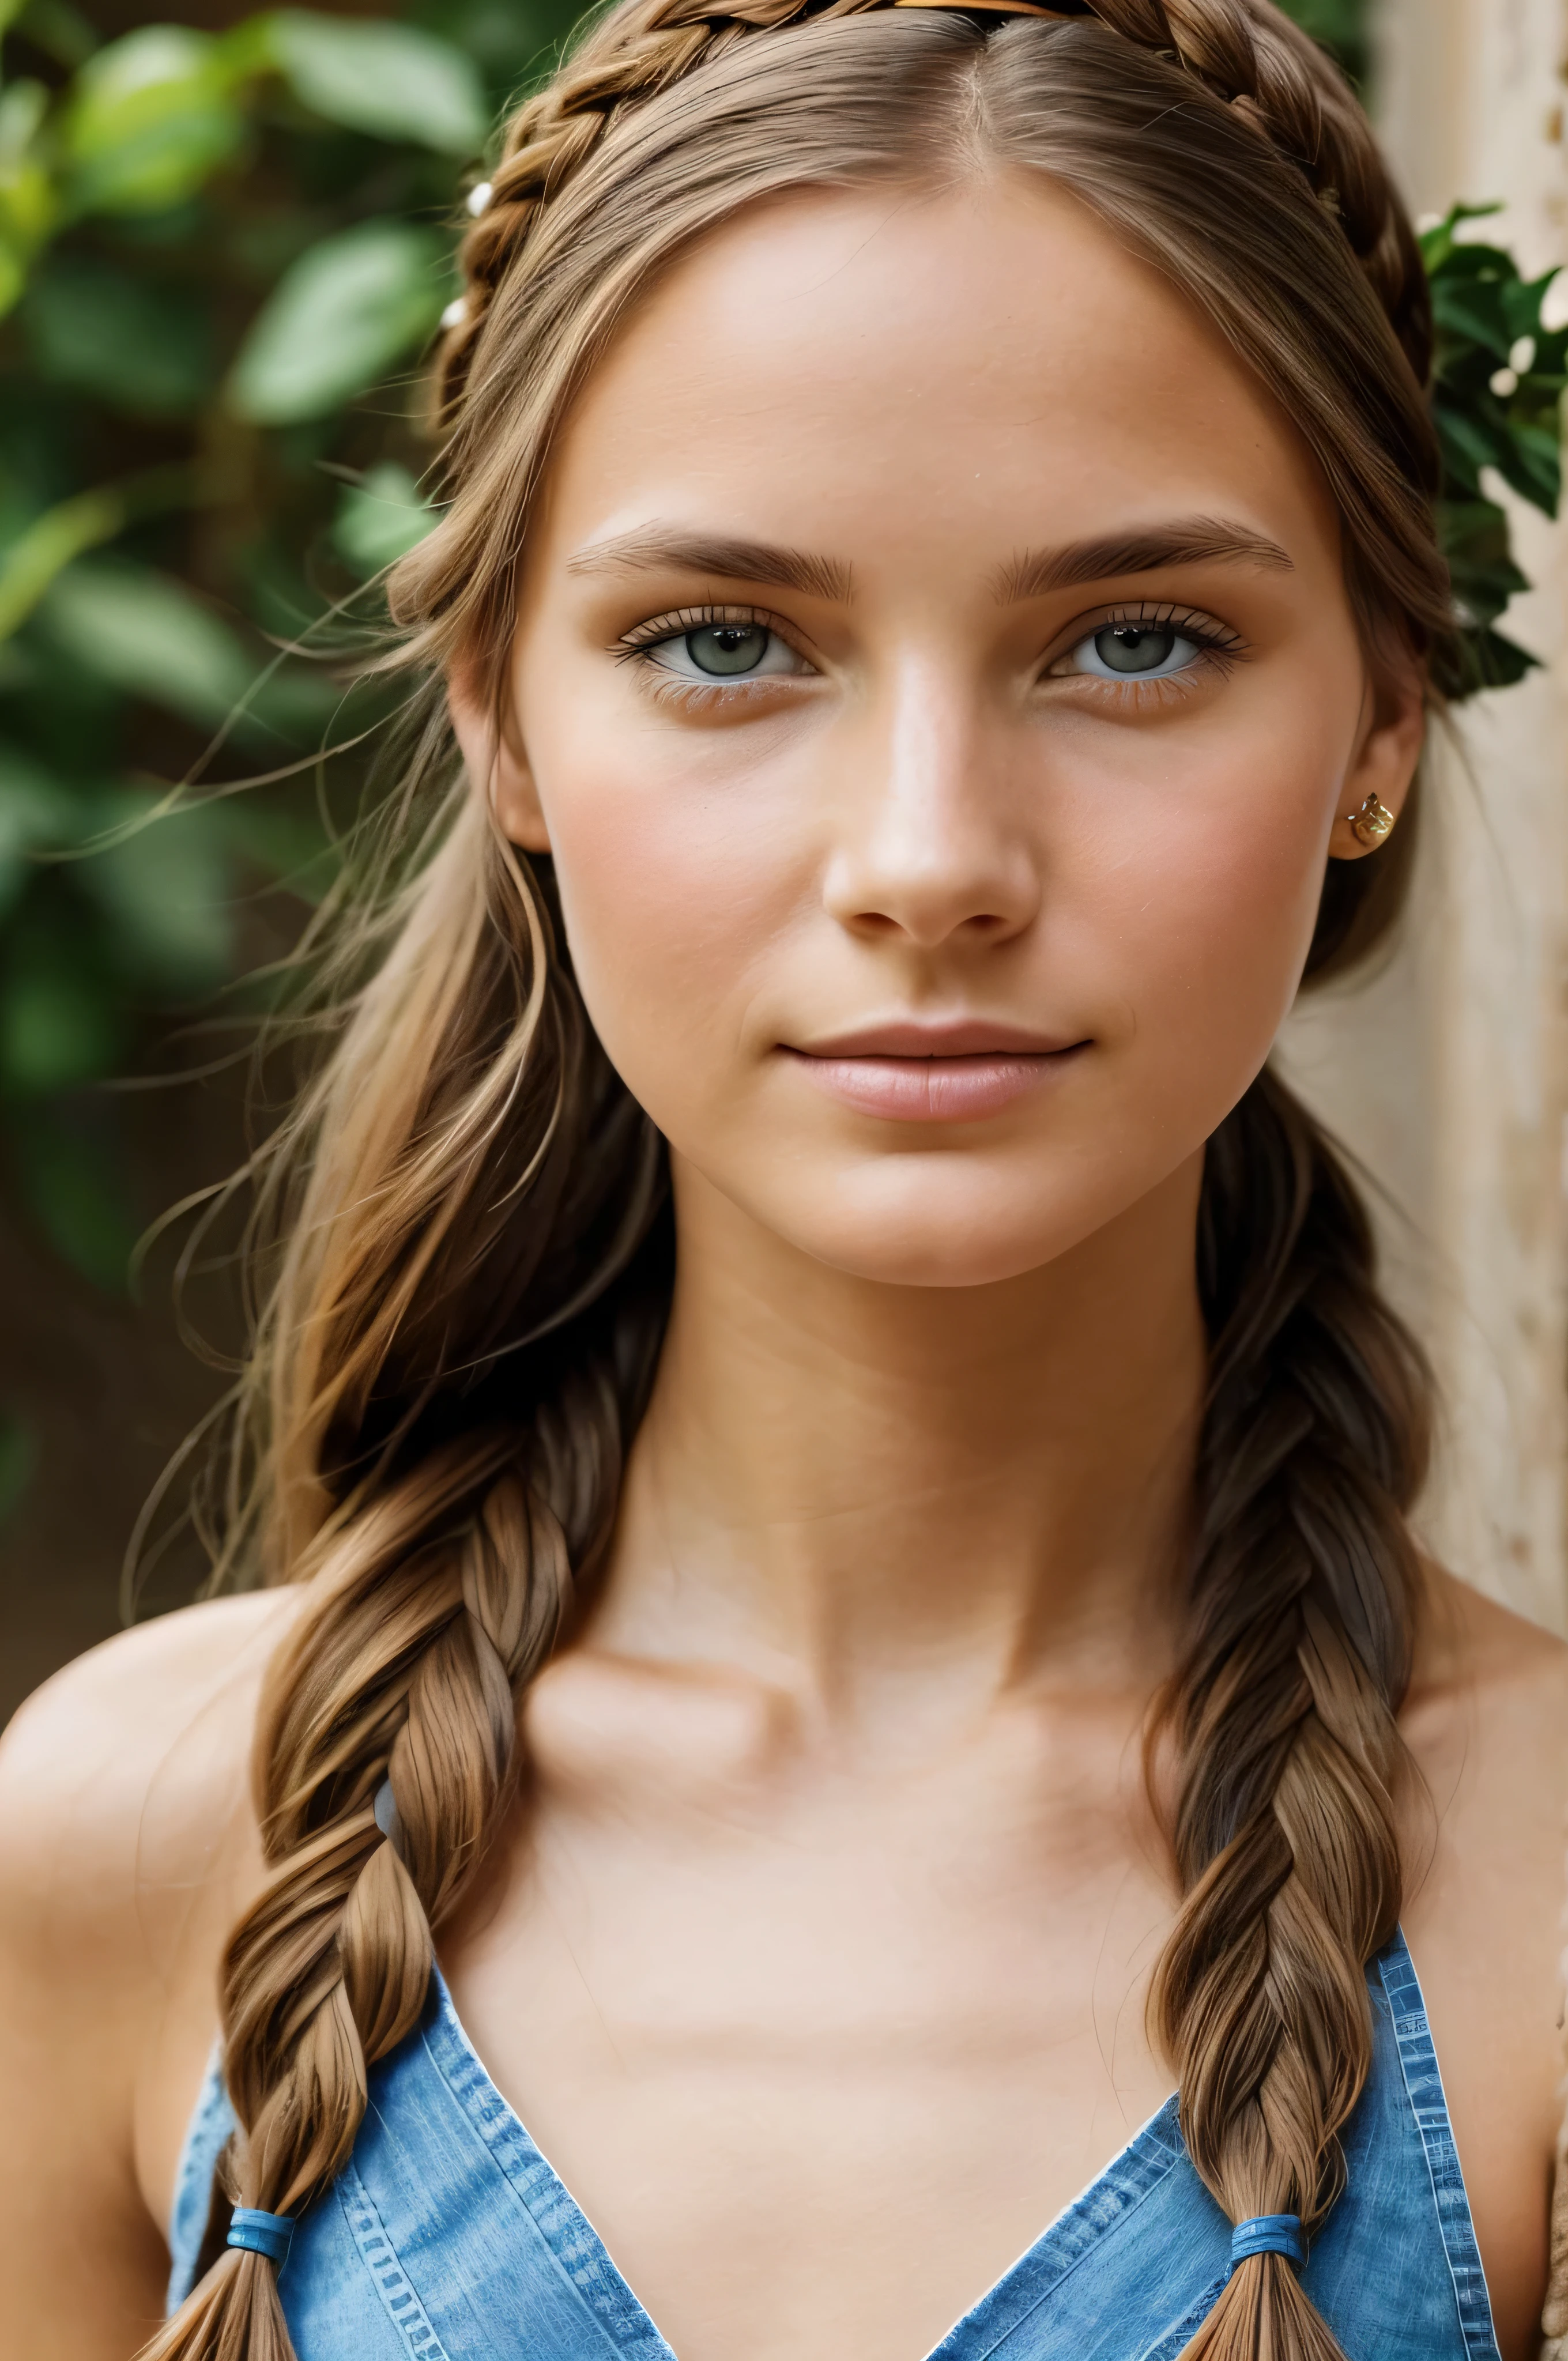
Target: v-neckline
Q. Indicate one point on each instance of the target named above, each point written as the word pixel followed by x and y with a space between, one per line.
pixel 1154 2149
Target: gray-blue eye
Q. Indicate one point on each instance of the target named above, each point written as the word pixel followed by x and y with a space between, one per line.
pixel 1134 651
pixel 727 647
pixel 726 652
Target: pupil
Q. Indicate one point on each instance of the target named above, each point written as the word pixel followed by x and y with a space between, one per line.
pixel 727 647
pixel 1135 647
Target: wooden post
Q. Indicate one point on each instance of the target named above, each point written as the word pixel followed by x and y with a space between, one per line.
pixel 1448 1073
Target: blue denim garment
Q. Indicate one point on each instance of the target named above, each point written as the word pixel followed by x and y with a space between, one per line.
pixel 448 2237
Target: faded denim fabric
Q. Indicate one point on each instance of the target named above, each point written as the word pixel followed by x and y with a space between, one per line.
pixel 448 2237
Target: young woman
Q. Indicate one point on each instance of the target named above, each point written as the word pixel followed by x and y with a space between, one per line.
pixel 853 1654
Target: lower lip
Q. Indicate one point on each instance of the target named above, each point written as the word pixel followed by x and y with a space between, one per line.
pixel 935 1089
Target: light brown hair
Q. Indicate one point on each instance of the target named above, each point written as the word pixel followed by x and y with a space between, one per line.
pixel 463 1233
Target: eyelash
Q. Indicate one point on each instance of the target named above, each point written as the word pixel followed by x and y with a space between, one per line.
pixel 643 636
pixel 669 688
pixel 1219 646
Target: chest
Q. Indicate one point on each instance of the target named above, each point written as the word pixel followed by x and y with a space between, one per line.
pixel 449 2236
pixel 819 2067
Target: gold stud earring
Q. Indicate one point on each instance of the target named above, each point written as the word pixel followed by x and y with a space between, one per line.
pixel 1372 823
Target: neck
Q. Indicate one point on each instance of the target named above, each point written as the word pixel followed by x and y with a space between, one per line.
pixel 873 1490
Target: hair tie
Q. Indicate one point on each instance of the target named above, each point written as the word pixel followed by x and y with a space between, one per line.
pixel 1268 2233
pixel 261 2233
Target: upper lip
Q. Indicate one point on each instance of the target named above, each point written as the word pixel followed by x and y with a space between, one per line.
pixel 956 1037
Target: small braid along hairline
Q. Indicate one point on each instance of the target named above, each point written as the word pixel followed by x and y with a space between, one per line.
pixel 1250 58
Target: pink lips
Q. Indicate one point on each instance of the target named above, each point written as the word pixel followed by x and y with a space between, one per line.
pixel 957 1072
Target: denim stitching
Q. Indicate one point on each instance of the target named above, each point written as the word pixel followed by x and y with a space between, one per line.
pixel 380 2256
pixel 1128 2180
pixel 566 2230
pixel 1424 2087
pixel 210 2126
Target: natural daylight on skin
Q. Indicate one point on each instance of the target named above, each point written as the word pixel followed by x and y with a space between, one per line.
pixel 954 942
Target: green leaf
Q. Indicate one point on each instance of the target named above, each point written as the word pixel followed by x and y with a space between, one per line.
pixel 1533 466
pixel 337 320
pixel 1501 661
pixel 1474 310
pixel 1470 442
pixel 151 118
pixel 28 199
pixel 380 519
pixel 136 346
pixel 393 81
pixel 47 544
pixel 1340 25
pixel 23 106
pixel 1439 241
pixel 150 637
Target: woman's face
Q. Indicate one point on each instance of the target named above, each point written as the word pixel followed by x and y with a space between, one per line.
pixel 935 680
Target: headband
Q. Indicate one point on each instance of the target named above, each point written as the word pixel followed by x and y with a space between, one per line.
pixel 992 8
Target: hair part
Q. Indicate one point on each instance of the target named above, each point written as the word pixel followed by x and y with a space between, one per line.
pixel 463 1236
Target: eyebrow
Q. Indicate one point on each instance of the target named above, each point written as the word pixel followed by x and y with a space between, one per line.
pixel 1185 541
pixel 657 548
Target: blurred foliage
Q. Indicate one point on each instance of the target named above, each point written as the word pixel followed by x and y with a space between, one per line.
pixel 1342 26
pixel 1497 400
pixel 223 248
pixel 221 252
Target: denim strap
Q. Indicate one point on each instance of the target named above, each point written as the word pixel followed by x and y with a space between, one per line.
pixel 261 2233
pixel 1268 2233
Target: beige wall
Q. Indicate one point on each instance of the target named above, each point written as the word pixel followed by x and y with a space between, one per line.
pixel 1448 1072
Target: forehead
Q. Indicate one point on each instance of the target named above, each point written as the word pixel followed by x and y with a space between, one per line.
pixel 881 372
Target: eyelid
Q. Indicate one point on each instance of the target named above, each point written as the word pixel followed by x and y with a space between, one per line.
pixel 680 619
pixel 1191 622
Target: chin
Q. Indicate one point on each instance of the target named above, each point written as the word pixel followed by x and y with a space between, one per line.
pixel 910 1227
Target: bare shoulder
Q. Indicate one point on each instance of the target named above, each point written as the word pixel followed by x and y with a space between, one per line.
pixel 127 1846
pixel 120 1773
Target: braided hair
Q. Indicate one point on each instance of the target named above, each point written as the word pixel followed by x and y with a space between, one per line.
pixel 465 1223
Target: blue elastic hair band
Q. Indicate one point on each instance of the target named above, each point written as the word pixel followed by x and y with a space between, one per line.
pixel 261 2233
pixel 1268 2233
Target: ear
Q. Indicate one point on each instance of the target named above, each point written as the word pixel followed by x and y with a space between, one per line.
pixel 1389 747
pixel 496 762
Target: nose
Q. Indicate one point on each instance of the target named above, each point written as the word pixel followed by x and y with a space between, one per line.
pixel 929 846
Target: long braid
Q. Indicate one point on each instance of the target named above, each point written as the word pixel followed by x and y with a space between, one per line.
pixel 1282 1713
pixel 405 1666
pixel 443 1564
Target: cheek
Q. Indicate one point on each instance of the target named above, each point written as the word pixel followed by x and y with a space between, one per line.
pixel 1207 914
pixel 1179 872
pixel 673 888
